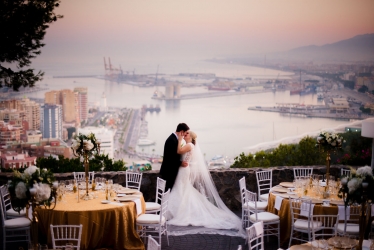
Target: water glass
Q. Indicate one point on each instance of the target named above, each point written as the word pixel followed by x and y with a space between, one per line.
pixel 43 247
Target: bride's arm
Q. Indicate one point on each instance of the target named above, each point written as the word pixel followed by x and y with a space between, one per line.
pixel 184 149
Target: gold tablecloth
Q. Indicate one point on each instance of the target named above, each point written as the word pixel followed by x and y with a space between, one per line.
pixel 285 215
pixel 110 226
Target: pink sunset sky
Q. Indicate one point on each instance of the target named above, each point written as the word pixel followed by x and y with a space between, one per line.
pixel 201 28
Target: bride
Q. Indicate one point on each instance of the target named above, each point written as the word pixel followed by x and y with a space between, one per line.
pixel 194 200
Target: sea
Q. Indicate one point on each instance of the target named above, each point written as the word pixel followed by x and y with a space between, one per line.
pixel 224 125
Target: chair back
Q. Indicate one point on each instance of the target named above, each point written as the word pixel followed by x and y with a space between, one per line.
pixel 243 189
pixel 251 197
pixel 81 176
pixel 133 180
pixel 302 172
pixel 5 198
pixel 264 181
pixel 328 226
pixel 63 234
pixel 164 206
pixel 160 189
pixel 345 172
pixel 2 210
pixel 301 209
pixel 255 240
pixel 353 217
pixel 152 244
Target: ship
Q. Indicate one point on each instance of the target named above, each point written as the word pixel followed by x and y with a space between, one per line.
pixel 145 142
pixel 220 88
pixel 295 91
pixel 308 90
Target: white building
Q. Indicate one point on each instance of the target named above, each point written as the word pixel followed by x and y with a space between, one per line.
pixel 104 135
pixel 51 121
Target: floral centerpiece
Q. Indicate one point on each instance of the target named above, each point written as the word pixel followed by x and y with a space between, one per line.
pixel 329 141
pixel 354 185
pixel 85 145
pixel 357 189
pixel 39 182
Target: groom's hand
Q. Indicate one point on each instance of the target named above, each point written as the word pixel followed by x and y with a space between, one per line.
pixel 184 164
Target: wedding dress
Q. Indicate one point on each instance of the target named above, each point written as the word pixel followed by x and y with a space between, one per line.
pixel 194 203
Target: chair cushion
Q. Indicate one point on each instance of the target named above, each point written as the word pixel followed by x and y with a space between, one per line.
pixel 264 216
pixel 152 206
pixel 264 197
pixel 351 228
pixel 19 222
pixel 12 213
pixel 150 219
pixel 303 224
pixel 261 205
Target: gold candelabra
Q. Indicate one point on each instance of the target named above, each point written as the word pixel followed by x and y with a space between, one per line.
pixel 82 151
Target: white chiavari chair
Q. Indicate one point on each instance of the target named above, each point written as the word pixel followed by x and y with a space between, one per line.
pixel 154 207
pixel 345 172
pixel 133 180
pixel 10 213
pixel 264 184
pixel 81 176
pixel 302 172
pixel 152 244
pixel 255 239
pixel 63 234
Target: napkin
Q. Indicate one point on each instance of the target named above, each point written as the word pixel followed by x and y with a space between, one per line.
pixel 341 212
pixel 366 245
pixel 259 228
pixel 138 206
pixel 304 209
pixel 278 202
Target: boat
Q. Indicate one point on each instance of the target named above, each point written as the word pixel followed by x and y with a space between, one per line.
pixel 320 96
pixel 295 91
pixel 218 88
pixel 308 90
pixel 145 142
pixel 218 162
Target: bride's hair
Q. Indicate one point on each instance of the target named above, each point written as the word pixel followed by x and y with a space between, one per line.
pixel 193 137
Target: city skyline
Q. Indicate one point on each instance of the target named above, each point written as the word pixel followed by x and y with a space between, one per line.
pixel 162 30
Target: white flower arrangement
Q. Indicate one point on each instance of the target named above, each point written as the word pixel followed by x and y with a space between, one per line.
pixel 85 145
pixel 330 140
pixel 354 184
pixel 31 182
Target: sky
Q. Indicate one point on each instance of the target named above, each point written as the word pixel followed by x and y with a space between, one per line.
pixel 154 29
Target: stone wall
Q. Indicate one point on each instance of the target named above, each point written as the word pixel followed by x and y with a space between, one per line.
pixel 226 181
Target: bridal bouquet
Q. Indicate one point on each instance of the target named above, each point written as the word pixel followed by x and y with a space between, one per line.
pixel 85 145
pixel 353 185
pixel 31 181
pixel 329 141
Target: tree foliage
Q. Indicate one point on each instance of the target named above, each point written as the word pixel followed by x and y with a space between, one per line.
pixel 23 27
pixel 355 151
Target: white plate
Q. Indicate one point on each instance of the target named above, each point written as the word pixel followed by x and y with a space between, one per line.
pixel 127 191
pixel 280 189
pixel 291 193
pixel 105 202
pixel 286 184
pixel 127 198
pixel 121 195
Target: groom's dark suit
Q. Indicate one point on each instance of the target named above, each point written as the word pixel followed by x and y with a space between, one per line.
pixel 171 161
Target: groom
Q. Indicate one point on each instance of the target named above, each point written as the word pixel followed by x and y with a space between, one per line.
pixel 172 160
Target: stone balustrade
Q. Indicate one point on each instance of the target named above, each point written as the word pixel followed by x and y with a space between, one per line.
pixel 226 181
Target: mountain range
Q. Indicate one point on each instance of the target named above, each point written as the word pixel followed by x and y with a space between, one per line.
pixel 358 48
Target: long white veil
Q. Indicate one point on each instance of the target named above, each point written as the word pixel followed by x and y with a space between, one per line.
pixel 202 181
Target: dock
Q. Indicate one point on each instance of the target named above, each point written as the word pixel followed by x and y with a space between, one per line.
pixel 317 111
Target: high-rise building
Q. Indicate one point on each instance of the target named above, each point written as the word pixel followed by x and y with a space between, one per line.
pixel 51 121
pixel 82 103
pixel 69 101
pixel 32 113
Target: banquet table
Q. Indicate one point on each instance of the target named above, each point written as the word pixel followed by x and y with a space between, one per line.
pixel 109 225
pixel 284 213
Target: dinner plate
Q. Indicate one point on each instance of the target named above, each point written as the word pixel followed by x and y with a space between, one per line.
pixel 127 198
pixel 287 196
pixel 105 201
pixel 286 184
pixel 280 189
pixel 127 191
pixel 349 243
pixel 300 247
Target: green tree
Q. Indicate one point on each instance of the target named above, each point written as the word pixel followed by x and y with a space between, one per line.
pixel 23 26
